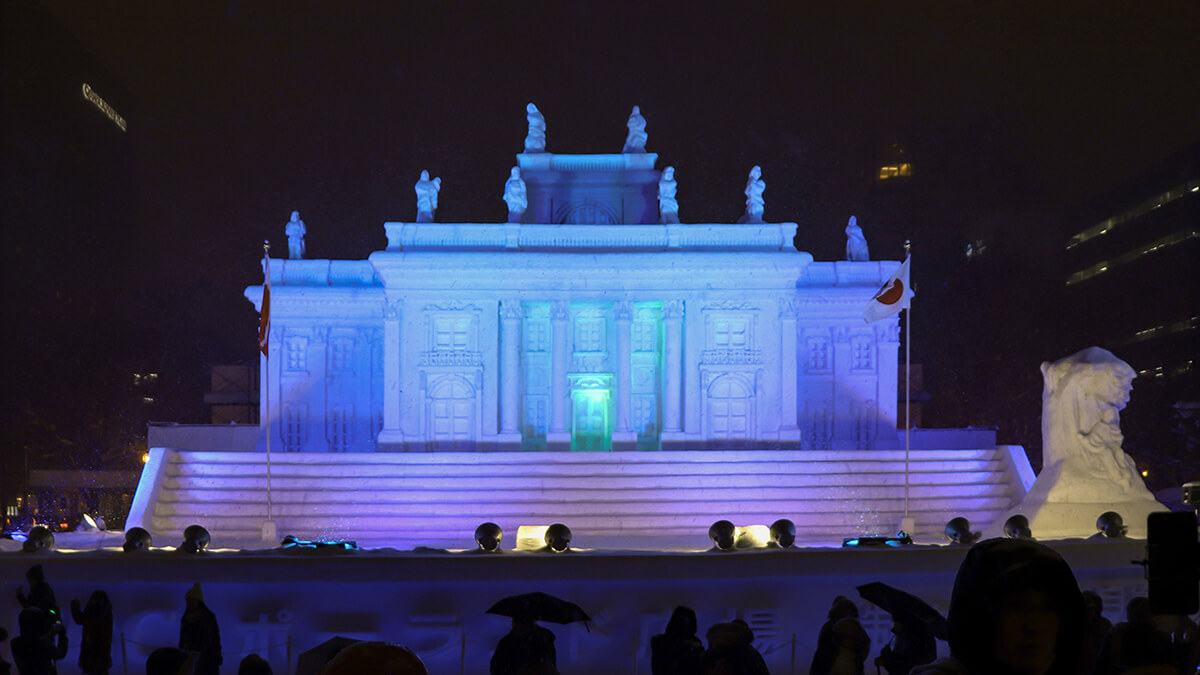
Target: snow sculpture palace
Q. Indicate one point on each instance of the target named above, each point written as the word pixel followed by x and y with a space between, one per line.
pixel 591 320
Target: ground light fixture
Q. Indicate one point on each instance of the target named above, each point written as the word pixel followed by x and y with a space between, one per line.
pixel 723 535
pixel 195 539
pixel 488 537
pixel 958 531
pixel 783 533
pixel 137 539
pixel 558 537
pixel 1017 527
pixel 40 538
pixel 1111 525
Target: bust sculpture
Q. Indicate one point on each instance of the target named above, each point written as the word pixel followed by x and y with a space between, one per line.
pixel 427 197
pixel 636 140
pixel 668 207
pixel 295 231
pixel 535 140
pixel 515 195
pixel 856 243
pixel 755 186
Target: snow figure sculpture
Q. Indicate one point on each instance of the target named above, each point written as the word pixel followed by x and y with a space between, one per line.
pixel 1085 472
pixel 668 207
pixel 856 243
pixel 755 187
pixel 535 140
pixel 427 197
pixel 295 231
pixel 515 195
pixel 636 140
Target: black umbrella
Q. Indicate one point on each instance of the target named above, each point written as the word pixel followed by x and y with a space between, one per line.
pixel 540 607
pixel 905 608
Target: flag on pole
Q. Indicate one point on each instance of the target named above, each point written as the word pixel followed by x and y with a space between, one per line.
pixel 264 319
pixel 892 297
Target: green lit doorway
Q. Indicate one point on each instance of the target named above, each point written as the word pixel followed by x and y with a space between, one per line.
pixel 591 414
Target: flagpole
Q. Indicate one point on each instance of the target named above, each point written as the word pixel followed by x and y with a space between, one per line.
pixel 907 381
pixel 268 529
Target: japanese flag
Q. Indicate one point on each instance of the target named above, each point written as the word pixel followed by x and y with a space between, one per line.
pixel 892 297
pixel 264 320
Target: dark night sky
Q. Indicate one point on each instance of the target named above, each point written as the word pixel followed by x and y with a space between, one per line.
pixel 248 110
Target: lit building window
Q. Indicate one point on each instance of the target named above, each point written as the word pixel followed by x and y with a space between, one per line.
pixel 1158 201
pixel 1133 254
pixel 895 171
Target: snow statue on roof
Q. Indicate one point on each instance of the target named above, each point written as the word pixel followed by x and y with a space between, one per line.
pixel 427 197
pixel 636 140
pixel 668 207
pixel 295 235
pixel 755 186
pixel 535 140
pixel 515 195
pixel 1085 472
pixel 856 243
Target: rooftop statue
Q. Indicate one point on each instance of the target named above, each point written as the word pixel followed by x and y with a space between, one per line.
pixel 755 187
pixel 535 140
pixel 515 195
pixel 856 243
pixel 668 207
pixel 636 140
pixel 295 231
pixel 427 197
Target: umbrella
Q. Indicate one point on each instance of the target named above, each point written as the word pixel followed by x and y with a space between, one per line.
pixel 905 608
pixel 312 661
pixel 540 607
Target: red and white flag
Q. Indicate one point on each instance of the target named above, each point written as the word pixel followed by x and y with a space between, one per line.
pixel 894 296
pixel 264 319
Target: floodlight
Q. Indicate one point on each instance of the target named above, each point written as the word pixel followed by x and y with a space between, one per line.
pixel 1112 525
pixel 783 533
pixel 40 538
pixel 137 539
pixel 958 531
pixel 488 536
pixel 723 535
pixel 1017 527
pixel 195 539
pixel 558 537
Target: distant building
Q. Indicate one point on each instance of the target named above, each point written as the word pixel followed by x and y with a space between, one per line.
pixel 232 397
pixel 1132 273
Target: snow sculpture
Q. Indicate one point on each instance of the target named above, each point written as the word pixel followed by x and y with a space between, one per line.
pixel 427 197
pixel 856 243
pixel 636 140
pixel 295 231
pixel 668 207
pixel 535 140
pixel 1085 472
pixel 515 195
pixel 755 187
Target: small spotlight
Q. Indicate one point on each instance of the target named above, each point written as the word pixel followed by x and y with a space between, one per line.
pixel 1111 525
pixel 901 539
pixel 137 539
pixel 40 538
pixel 958 531
pixel 558 537
pixel 723 535
pixel 488 536
pixel 1145 473
pixel 195 539
pixel 145 457
pixel 783 533
pixel 1017 527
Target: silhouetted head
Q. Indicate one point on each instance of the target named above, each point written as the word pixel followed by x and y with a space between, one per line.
pixel 842 608
pixel 254 664
pixel 1137 610
pixel 682 623
pixel 1094 604
pixel 1015 609
pixel 35 574
pixel 33 623
pixel 376 658
pixel 170 661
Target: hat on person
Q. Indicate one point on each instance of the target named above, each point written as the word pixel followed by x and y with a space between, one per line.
pixel 195 593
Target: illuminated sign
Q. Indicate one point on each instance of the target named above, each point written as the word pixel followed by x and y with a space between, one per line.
pixel 103 105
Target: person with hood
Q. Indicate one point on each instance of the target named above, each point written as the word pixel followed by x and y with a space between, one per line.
pixel 731 652
pixel 830 644
pixel 95 647
pixel 1015 609
pixel 677 651
pixel 198 632
pixel 40 644
pixel 913 644
pixel 40 594
pixel 527 649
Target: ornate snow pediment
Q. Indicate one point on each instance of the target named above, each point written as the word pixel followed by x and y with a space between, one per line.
pixel 730 305
pixel 731 356
pixel 452 306
pixel 456 359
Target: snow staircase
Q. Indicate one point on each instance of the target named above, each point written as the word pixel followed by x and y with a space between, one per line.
pixel 622 500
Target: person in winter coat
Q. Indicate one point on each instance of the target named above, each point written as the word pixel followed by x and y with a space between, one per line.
pixel 731 652
pixel 40 644
pixel 913 644
pixel 198 632
pixel 95 647
pixel 1015 609
pixel 1135 643
pixel 677 651
pixel 40 594
pixel 527 649
pixel 829 645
